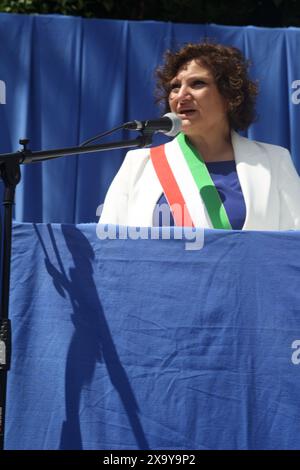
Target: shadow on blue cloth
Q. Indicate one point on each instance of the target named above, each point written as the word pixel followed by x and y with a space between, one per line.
pixel 92 331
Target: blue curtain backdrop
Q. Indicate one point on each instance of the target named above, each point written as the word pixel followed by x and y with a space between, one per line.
pixel 65 79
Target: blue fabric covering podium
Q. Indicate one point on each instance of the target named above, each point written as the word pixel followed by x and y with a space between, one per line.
pixel 142 344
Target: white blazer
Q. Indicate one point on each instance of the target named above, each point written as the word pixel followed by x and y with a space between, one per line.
pixel 268 179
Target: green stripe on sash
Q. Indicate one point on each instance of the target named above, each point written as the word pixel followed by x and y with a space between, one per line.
pixel 208 191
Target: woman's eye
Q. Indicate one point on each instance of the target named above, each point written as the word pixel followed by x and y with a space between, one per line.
pixel 175 86
pixel 198 83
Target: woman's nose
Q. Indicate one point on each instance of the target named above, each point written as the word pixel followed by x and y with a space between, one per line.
pixel 183 93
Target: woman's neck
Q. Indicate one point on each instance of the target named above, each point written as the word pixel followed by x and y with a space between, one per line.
pixel 212 148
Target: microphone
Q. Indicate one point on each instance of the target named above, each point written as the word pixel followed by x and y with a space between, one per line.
pixel 170 124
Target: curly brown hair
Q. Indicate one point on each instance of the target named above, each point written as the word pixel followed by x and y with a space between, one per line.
pixel 230 71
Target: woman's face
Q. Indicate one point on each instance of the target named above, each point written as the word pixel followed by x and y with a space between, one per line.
pixel 195 98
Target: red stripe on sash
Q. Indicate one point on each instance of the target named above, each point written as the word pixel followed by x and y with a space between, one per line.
pixel 170 187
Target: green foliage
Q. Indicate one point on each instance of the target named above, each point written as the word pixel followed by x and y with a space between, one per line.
pixel 235 12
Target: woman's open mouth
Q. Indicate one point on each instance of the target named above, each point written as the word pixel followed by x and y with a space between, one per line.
pixel 186 112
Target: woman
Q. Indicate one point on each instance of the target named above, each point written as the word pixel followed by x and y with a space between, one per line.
pixel 208 176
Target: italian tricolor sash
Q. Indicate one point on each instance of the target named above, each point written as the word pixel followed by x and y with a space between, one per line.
pixel 176 180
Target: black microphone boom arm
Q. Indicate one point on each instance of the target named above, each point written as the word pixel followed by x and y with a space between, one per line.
pixel 27 156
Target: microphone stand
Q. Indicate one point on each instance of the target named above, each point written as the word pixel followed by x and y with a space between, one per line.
pixel 11 175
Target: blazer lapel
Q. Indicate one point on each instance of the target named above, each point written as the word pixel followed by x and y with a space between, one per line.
pixel 253 170
pixel 146 192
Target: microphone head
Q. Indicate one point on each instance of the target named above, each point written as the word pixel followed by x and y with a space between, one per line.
pixel 176 124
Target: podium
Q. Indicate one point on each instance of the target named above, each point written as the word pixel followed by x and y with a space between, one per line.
pixel 144 344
